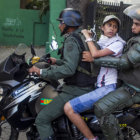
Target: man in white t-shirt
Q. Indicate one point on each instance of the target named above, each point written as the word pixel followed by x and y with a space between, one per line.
pixel 111 44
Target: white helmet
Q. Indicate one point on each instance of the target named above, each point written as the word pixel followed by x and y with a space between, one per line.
pixel 133 11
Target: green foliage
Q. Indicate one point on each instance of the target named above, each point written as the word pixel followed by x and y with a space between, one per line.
pixel 44 8
pixel 42 5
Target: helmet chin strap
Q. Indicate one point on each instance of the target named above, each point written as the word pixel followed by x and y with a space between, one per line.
pixel 65 30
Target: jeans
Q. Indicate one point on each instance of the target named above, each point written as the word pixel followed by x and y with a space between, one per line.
pixel 86 101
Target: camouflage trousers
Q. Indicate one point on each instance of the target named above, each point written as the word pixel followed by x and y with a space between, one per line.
pixel 104 108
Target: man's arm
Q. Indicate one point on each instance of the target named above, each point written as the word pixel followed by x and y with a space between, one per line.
pixel 134 54
pixel 93 50
pixel 107 61
pixel 56 61
pixel 131 57
pixel 69 64
pixel 128 59
pixel 113 62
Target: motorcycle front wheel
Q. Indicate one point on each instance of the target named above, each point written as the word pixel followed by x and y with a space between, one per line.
pixel 7 132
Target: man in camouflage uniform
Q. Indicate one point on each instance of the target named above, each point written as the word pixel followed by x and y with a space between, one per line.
pixel 129 93
pixel 77 74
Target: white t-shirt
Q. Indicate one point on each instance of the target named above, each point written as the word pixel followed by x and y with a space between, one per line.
pixel 108 76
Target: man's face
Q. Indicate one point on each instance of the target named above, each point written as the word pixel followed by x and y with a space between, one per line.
pixel 61 26
pixel 110 28
pixel 136 26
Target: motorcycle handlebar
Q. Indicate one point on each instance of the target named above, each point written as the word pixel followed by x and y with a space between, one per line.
pixel 45 58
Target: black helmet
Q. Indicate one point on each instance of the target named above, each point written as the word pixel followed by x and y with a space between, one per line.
pixel 70 17
pixel 133 11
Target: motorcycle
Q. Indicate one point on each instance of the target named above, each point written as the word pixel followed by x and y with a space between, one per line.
pixel 19 92
pixel 23 96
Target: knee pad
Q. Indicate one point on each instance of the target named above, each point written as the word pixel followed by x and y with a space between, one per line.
pixel 97 110
pixel 101 109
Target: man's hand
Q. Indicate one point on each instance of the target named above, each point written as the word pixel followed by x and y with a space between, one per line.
pixel 53 60
pixel 86 33
pixel 86 56
pixel 35 70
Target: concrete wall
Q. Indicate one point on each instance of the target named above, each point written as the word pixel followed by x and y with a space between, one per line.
pixel 23 25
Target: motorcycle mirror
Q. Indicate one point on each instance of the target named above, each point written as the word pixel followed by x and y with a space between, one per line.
pixel 33 50
pixel 54 44
pixel 21 49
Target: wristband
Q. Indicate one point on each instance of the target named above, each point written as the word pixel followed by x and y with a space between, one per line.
pixel 40 71
pixel 88 40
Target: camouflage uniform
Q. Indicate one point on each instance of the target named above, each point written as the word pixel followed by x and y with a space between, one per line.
pixel 66 67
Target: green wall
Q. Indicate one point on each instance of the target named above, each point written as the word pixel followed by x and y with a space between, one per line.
pixel 22 25
pixel 56 6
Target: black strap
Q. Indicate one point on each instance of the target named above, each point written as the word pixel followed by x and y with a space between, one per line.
pixel 81 40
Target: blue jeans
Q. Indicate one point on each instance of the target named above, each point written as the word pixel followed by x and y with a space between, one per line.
pixel 86 101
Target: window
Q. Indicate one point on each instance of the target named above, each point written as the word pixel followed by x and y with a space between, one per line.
pixel 31 4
